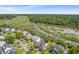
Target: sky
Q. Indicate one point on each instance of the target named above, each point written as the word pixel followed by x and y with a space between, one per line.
pixel 39 9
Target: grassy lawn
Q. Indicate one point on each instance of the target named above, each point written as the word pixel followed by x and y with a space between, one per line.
pixel 68 37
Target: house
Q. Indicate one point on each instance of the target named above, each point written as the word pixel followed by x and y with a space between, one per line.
pixel 5 34
pixel 18 30
pixel 2 37
pixel 68 42
pixel 58 48
pixel 40 43
pixel 45 47
pixel 6 29
pixel 13 30
pixel 36 39
pixel 26 35
pixel 8 49
pixel 2 43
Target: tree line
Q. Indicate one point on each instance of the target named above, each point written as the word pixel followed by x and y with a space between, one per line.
pixel 64 20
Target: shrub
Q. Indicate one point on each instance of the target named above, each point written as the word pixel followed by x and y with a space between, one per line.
pixel 2 23
pixel 73 50
pixel 19 35
pixel 61 42
pixel 20 51
pixel 10 39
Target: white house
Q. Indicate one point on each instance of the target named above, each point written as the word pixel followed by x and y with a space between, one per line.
pixel 59 48
pixel 45 46
pixel 2 37
pixel 2 43
pixel 36 39
pixel 13 30
pixel 26 35
pixel 7 29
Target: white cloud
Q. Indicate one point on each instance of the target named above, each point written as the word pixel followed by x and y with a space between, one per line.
pixel 34 9
pixel 16 9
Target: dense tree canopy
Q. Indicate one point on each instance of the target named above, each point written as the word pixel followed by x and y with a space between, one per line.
pixel 65 20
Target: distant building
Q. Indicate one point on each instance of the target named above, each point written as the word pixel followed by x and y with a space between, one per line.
pixel 2 43
pixel 36 39
pixel 39 42
pixel 26 35
pixel 7 49
pixel 57 49
pixel 2 37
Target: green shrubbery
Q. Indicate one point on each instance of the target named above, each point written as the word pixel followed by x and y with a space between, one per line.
pixel 73 50
pixel 19 35
pixel 61 43
pixel 69 37
pixel 20 51
pixel 2 23
pixel 10 38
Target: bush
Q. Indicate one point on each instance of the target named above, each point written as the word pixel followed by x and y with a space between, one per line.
pixel 19 35
pixel 73 50
pixel 68 37
pixel 10 39
pixel 20 51
pixel 61 42
pixel 52 44
pixel 2 23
